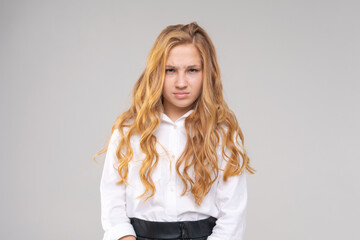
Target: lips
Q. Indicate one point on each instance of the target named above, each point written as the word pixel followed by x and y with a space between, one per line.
pixel 181 95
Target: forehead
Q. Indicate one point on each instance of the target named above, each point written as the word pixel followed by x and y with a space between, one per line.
pixel 185 54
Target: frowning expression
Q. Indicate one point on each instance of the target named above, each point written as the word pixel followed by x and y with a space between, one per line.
pixel 183 79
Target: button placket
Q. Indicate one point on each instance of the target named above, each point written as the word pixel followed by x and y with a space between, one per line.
pixel 171 190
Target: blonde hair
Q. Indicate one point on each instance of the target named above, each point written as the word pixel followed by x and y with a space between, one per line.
pixel 210 123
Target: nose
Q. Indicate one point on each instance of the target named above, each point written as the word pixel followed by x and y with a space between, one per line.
pixel 181 80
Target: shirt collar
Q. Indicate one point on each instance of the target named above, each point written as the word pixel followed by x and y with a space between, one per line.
pixel 165 118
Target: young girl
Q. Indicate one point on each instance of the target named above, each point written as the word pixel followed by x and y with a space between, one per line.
pixel 174 165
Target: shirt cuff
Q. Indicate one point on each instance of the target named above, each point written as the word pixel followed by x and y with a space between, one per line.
pixel 119 231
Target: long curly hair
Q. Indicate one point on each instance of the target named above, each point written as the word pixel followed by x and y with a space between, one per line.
pixel 211 122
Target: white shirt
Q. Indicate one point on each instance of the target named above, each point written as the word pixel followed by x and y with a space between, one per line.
pixel 226 201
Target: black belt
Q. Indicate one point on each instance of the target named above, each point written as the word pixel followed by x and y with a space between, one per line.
pixel 148 230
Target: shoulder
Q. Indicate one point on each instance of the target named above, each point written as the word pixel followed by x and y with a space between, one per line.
pixel 119 133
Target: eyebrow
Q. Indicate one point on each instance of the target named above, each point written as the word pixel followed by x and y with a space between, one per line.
pixel 191 66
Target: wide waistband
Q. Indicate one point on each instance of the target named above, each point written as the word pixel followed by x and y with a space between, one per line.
pixel 173 230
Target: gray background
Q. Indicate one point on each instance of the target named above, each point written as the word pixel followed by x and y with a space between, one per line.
pixel 290 71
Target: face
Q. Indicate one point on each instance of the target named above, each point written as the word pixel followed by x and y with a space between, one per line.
pixel 183 80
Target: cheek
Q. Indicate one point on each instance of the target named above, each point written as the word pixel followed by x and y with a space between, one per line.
pixel 166 87
pixel 199 83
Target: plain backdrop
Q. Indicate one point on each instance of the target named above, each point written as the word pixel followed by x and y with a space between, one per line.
pixel 290 71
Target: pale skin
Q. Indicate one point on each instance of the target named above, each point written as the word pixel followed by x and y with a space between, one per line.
pixel 129 237
pixel 184 73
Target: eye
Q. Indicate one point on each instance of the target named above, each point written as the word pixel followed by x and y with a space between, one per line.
pixel 193 70
pixel 169 70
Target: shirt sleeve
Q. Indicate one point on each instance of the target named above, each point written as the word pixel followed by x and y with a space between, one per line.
pixel 231 200
pixel 114 220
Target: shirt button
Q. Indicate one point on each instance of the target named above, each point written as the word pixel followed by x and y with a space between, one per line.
pixel 173 156
pixel 172 189
pixel 175 126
